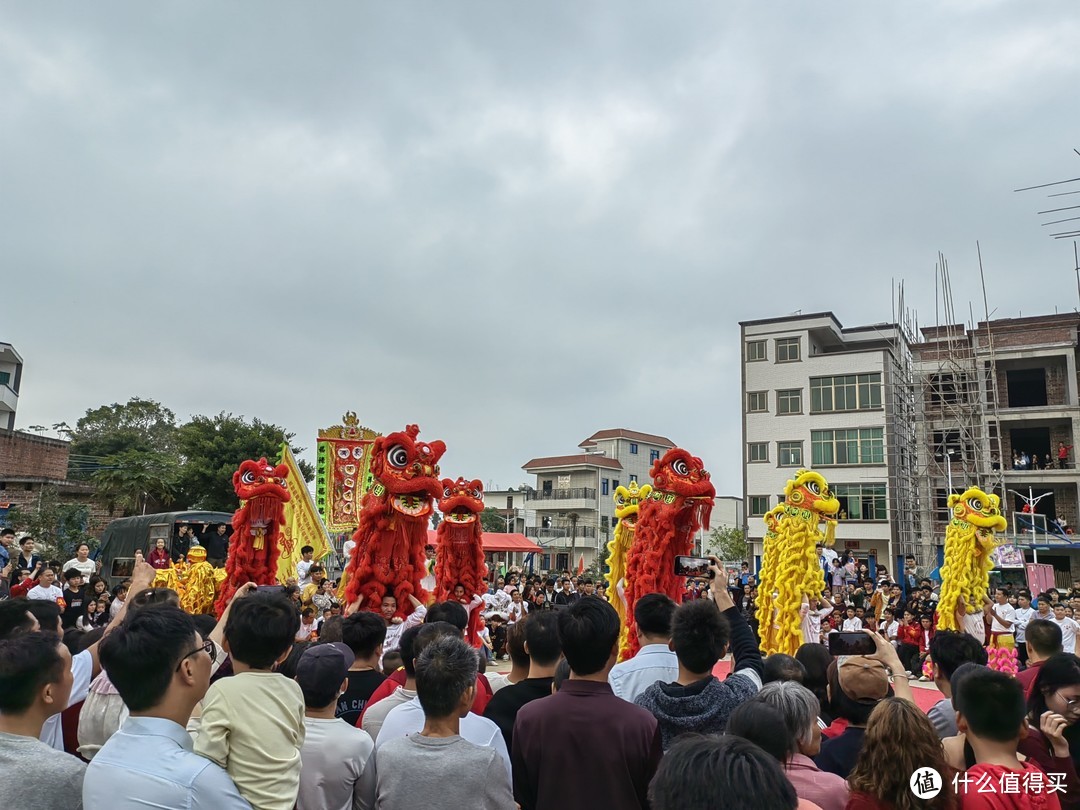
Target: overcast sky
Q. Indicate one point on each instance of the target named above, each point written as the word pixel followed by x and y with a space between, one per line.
pixel 513 224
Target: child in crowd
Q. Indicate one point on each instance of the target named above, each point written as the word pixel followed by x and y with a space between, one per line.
pixel 852 624
pixel 253 722
pixel 990 712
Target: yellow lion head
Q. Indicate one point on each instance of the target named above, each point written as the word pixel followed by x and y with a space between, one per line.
pixel 627 500
pixel 979 509
pixel 809 490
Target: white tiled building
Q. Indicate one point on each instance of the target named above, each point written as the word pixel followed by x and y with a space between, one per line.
pixel 11 365
pixel 570 512
pixel 817 395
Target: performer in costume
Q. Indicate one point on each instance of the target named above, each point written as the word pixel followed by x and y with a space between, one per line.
pixel 791 570
pixel 389 555
pixel 965 574
pixel 678 506
pixel 200 583
pixel 459 550
pixel 253 549
pixel 627 503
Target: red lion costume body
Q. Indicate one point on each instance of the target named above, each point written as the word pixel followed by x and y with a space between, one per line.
pixel 253 548
pixel 390 539
pixel 459 547
pixel 680 503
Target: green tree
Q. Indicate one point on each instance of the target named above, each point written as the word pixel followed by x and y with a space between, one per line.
pixel 137 482
pixel 56 525
pixel 727 544
pixel 212 447
pixel 137 426
pixel 491 520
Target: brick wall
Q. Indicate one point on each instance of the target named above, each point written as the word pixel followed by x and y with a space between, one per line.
pixel 26 495
pixel 24 455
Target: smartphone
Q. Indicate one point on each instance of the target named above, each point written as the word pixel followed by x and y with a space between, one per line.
pixel 270 589
pixel 858 643
pixel 692 566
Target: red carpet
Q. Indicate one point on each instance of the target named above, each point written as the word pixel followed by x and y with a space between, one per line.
pixel 924 698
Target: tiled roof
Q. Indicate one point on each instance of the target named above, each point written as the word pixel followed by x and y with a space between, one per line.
pixel 623 433
pixel 586 459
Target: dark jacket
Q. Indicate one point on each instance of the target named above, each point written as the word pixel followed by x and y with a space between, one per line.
pixel 704 706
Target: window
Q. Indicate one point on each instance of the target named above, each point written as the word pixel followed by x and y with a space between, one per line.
pixel 787 350
pixel 654 455
pixel 5 378
pixel 509 502
pixel 862 501
pixel 757 402
pixel 755 351
pixel 789 401
pixel 790 453
pixel 633 449
pixel 614 483
pixel 757 452
pixel 759 505
pixel 850 392
pixel 851 446
pixel 562 561
pixel 546 486
pixel 604 522
pixel 604 487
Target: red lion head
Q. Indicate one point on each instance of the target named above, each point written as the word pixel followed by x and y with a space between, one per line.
pixel 257 479
pixel 462 501
pixel 408 470
pixel 680 473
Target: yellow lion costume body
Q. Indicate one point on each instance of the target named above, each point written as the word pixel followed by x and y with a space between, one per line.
pixel 791 570
pixel 969 546
pixel 627 500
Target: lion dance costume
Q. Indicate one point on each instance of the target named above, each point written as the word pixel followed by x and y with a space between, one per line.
pixel 200 583
pixel 969 547
pixel 253 548
pixel 627 503
pixel 679 505
pixel 390 539
pixel 459 547
pixel 790 570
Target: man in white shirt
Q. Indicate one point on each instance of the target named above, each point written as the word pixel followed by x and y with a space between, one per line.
pixel 1069 629
pixel 889 626
pixel 1023 614
pixel 337 767
pixel 811 619
pixel 1003 617
pixel 46 590
pixel 408 718
pixel 655 660
pixel 303 567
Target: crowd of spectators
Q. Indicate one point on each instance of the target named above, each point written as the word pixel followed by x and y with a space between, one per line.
pixel 140 704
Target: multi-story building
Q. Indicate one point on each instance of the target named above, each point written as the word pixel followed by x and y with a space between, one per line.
pixel 1004 390
pixel 817 395
pixel 510 504
pixel 11 365
pixel 572 505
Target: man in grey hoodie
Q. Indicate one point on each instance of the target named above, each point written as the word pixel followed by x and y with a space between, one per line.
pixel 698 701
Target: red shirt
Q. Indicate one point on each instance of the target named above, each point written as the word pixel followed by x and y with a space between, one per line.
pixel 1028 676
pixel 990 775
pixel 158 558
pixel 910 634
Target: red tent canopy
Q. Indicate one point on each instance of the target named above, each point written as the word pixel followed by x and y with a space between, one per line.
pixel 496 541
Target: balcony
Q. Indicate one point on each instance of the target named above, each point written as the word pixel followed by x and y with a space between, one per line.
pixel 571 494
pixel 561 533
pixel 9 400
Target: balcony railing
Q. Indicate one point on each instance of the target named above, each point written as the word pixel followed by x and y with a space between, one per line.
pixel 571 494
pixel 541 533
